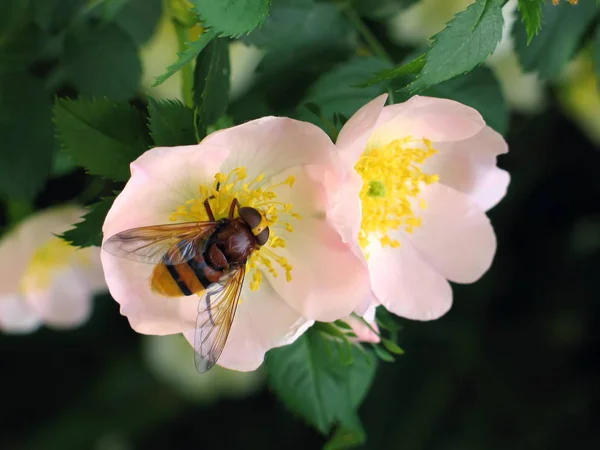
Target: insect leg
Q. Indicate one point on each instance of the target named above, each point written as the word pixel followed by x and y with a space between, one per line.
pixel 206 204
pixel 234 204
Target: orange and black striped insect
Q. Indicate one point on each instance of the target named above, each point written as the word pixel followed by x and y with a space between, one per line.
pixel 199 258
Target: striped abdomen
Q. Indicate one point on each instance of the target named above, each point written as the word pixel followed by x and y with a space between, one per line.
pixel 189 278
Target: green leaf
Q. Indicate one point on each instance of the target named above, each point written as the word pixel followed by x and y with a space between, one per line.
pixel 563 28
pixel 139 18
pixel 410 68
pixel 467 41
pixel 26 143
pixel 336 91
pixel 381 9
pixel 211 82
pixel 392 347
pixel 102 136
pixel 88 232
pixel 479 89
pixel 171 123
pixel 319 388
pixel 531 15
pixel 103 61
pixel 348 435
pixel 232 17
pixel 186 56
pixel 301 33
pixel 19 38
pixel 383 354
pixel 596 52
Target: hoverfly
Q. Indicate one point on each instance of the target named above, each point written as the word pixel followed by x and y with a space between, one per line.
pixel 204 258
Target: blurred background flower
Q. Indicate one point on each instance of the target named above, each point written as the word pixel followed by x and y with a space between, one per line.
pixel 171 359
pixel 44 280
pixel 160 52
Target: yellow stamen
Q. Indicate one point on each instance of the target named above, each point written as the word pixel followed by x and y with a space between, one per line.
pixel 392 179
pixel 258 194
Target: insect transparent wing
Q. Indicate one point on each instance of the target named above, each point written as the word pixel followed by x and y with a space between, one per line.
pixel 216 311
pixel 168 244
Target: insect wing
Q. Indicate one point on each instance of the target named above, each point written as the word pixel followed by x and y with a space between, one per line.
pixel 167 244
pixel 216 311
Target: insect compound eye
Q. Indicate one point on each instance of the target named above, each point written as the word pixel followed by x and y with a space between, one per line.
pixel 263 237
pixel 251 216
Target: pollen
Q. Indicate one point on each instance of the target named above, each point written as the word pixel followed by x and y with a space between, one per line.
pixel 392 182
pixel 259 193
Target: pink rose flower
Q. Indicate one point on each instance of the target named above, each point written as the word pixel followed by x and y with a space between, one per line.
pixel 43 279
pixel 281 167
pixel 425 174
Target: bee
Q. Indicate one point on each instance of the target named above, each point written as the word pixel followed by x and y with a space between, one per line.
pixel 199 258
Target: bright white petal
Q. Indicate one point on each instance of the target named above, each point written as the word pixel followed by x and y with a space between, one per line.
pixel 16 316
pixel 67 302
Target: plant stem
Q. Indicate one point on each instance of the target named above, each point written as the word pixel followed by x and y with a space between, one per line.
pixel 187 74
pixel 372 42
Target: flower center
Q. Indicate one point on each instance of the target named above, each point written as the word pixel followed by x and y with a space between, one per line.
pixel 392 179
pixel 47 259
pixel 258 194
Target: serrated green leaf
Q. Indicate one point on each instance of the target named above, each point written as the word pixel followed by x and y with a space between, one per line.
pixel 211 83
pixel 467 41
pixel 103 61
pixel 322 390
pixel 88 232
pixel 102 136
pixel 531 15
pixel 171 123
pixel 232 17
pixel 479 89
pixel 563 27
pixel 27 143
pixel 186 56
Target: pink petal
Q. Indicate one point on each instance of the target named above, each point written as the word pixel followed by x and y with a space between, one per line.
pixel 406 284
pixel 262 322
pixel 362 331
pixel 162 179
pixel 271 145
pixel 455 237
pixel 329 276
pixel 436 119
pixel 470 167
pixel 354 135
pixel 329 281
pixel 16 316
